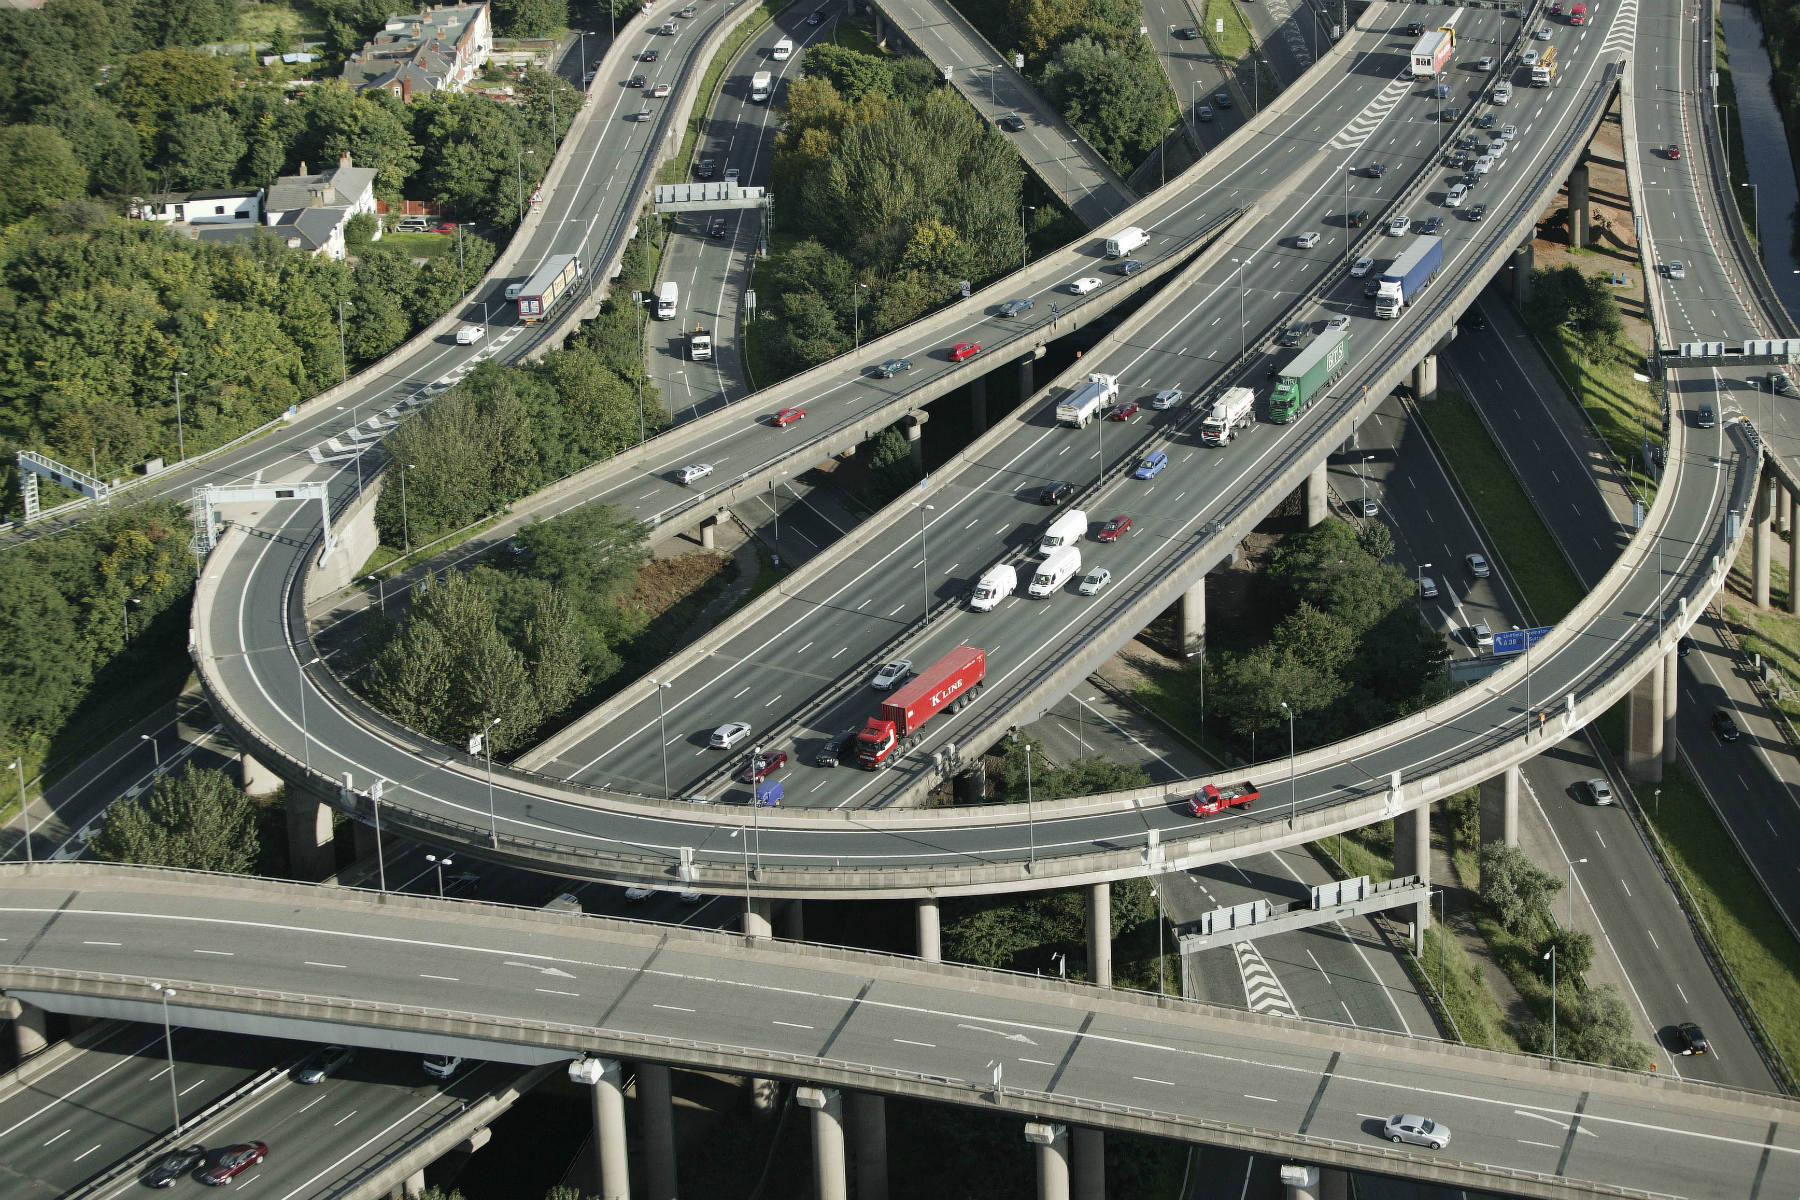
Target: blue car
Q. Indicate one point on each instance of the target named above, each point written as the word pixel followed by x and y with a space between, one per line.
pixel 1151 464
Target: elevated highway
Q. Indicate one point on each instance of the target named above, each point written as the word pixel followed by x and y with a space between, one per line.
pixel 531 988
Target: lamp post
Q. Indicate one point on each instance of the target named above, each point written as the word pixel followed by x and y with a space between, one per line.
pixel 1755 212
pixel 343 364
pixel 163 994
pixel 380 859
pixel 856 311
pixel 125 615
pixel 1439 893
pixel 18 764
pixel 440 864
pixel 925 556
pixel 305 741
pixel 1030 822
pixel 180 439
pixel 746 849
pixel 1243 338
pixel 1164 155
pixel 1362 473
pixel 1081 721
pixel 487 746
pixel 662 735
pixel 1293 785
pixel 1573 863
pixel 405 524
pixel 1551 956
pixel 155 750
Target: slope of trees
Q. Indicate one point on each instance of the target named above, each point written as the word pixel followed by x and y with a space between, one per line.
pixel 198 820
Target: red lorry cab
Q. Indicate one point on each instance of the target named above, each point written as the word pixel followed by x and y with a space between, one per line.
pixel 1215 799
pixel 947 683
pixel 1578 14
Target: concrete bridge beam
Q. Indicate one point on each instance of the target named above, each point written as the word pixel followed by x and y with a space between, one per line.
pixel 1760 535
pixel 29 1036
pixel 605 1081
pixel 1671 676
pixel 1425 377
pixel 978 404
pixel 1190 620
pixel 1521 269
pixel 757 923
pixel 258 780
pixel 1412 856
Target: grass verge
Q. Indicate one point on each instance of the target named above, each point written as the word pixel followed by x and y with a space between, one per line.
pixel 1622 407
pixel 1761 957
pixel 1520 538
pixel 1231 41
pixel 676 169
pixel 421 245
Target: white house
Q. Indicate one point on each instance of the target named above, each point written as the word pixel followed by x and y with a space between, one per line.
pixel 311 211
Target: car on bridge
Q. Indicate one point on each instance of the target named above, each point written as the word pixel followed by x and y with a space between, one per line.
pixel 1675 270
pixel 1013 308
pixel 1356 218
pixel 761 767
pixel 788 416
pixel 172 1166
pixel 1127 266
pixel 1704 418
pixel 1084 285
pixel 234 1161
pixel 1055 493
pixel 660 92
pixel 1485 63
pixel 694 472
pixel 1416 29
pixel 1673 152
pixel 323 1063
pixel 1478 636
pixel 1541 33
pixel 732 175
pixel 1432 225
pixel 1361 267
pixel 1375 170
pixel 1149 467
pixel 1485 121
pixel 893 367
pixel 1011 123
pixel 649 56
pixel 468 335
pixel 1166 399
pixel 1093 581
pixel 636 81
pixel 1397 226
pixel 729 734
pixel 964 350
pixel 1114 527
pixel 1124 412
pixel 892 675
pixel 1420 1131
pixel 1307 240
pixel 1456 196
pixel 1340 321
pixel 1476 213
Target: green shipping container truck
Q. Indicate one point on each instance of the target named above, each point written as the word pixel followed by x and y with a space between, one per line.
pixel 1312 370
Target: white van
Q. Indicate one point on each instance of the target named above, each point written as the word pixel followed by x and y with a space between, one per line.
pixel 784 50
pixel 1062 565
pixel 513 290
pixel 1066 530
pixel 668 295
pixel 996 584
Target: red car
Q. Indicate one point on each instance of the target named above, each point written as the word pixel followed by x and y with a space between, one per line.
pixel 234 1161
pixel 788 416
pixel 446 227
pixel 964 350
pixel 758 769
pixel 1123 412
pixel 1673 151
pixel 1110 531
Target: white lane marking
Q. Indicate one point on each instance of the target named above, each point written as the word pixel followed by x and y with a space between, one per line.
pixel 791 1024
pixel 554 992
pixel 672 1007
pixel 910 1042
pixel 330 966
pixel 218 953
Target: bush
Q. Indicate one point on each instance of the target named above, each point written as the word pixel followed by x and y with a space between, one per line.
pixel 1516 890
pixel 198 820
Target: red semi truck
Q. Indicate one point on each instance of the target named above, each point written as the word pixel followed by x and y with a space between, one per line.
pixel 1215 799
pixel 946 684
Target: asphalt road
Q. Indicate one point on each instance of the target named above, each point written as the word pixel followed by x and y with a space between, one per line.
pixel 943 1022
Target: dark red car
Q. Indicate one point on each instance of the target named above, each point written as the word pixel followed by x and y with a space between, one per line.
pixel 1123 412
pixel 964 350
pixel 234 1161
pixel 446 227
pixel 788 416
pixel 1111 531
pixel 758 769
pixel 1673 151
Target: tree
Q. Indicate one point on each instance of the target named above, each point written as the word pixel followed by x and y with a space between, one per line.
pixel 1574 955
pixel 1114 94
pixel 198 820
pixel 40 170
pixel 530 18
pixel 203 150
pixel 1516 890
pixel 155 86
pixel 851 73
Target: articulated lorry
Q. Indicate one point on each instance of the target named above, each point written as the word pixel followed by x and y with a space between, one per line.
pixel 700 344
pixel 1233 411
pixel 949 683
pixel 759 87
pixel 1409 275
pixel 1431 52
pixel 1087 401
pixel 1311 371
pixel 548 284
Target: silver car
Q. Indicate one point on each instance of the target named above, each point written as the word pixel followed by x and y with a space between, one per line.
pixel 1600 791
pixel 893 674
pixel 1420 1131
pixel 324 1063
pixel 1094 580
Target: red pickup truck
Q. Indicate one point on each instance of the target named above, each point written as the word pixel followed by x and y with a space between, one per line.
pixel 1215 799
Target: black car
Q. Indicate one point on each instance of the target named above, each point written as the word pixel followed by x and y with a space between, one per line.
pixel 1684 646
pixel 1689 1039
pixel 1704 418
pixel 1432 225
pixel 817 16
pixel 1484 121
pixel 1474 320
pixel 1724 726
pixel 649 56
pixel 707 169
pixel 1416 29
pixel 1292 334
pixel 172 1166
pixel 1187 33
pixel 1478 212
pixel 1056 493
pixel 636 81
pixel 1222 99
pixel 841 748
pixel 1011 123
pixel 1375 170
pixel 716 227
pixel 1357 217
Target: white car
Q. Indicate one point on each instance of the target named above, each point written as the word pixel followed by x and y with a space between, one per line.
pixel 1455 198
pixel 1398 226
pixel 694 471
pixel 1420 1131
pixel 1497 147
pixel 1677 270
pixel 893 674
pixel 1167 398
pixel 1307 240
pixel 1361 267
pixel 1094 580
pixel 1508 132
pixel 1340 321
pixel 1529 58
pixel 1485 63
pixel 1084 285
pixel 442 1066
pixel 468 335
pixel 1484 164
pixel 729 734
pixel 1542 33
pixel 660 92
pixel 1478 565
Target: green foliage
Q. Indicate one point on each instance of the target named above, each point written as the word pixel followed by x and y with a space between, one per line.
pixel 1114 94
pixel 1022 932
pixel 1564 295
pixel 1574 955
pixel 198 820
pixel 1515 889
pixel 530 18
pixel 1592 1025
pixel 40 170
pixel 1083 777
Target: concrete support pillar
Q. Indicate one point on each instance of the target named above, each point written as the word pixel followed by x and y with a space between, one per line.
pixel 792 915
pixel 1580 236
pixel 1100 933
pixel 978 404
pixel 1334 1184
pixel 1302 1181
pixel 829 1179
pixel 1318 492
pixel 1500 809
pixel 1424 380
pixel 310 853
pixel 1671 678
pixel 605 1082
pixel 258 780
pixel 1349 443
pixel 1412 856
pixel 1644 728
pixel 880 31
pixel 29 1037
pixel 1027 375
pixel 1521 267
pixel 1089 1152
pixel 971 784
pixel 868 1128
pixel 911 425
pixel 931 947
pixel 1784 510
pixel 1052 1142
pixel 756 920
pixel 658 1109
pixel 709 528
pixel 1190 620
pixel 1760 540
pixel 414 1187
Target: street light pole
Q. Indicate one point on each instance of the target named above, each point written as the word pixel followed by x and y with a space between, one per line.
pixel 180 439
pixel 405 523
pixel 380 858
pixel 155 750
pixel 1552 957
pixel 440 864
pixel 1293 786
pixel 1755 212
pixel 662 735
pixel 343 365
pixel 305 741
pixel 18 764
pixel 487 746
pixel 1030 820
pixel 856 311
pixel 925 556
pixel 163 994
pixel 1573 863
pixel 1362 473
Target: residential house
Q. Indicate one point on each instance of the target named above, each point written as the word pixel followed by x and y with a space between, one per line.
pixel 440 49
pixel 311 211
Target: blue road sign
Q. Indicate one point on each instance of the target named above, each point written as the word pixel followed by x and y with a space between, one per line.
pixel 1514 641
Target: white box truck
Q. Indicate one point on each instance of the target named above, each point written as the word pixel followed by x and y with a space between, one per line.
pixel 1125 241
pixel 1233 411
pixel 1086 402
pixel 1066 530
pixel 996 584
pixel 668 297
pixel 784 50
pixel 759 87
pixel 1053 572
